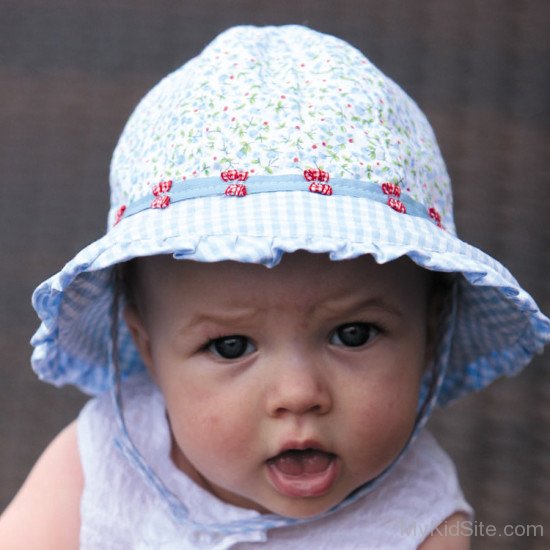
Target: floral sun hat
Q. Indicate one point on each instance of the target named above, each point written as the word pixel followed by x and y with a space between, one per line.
pixel 272 140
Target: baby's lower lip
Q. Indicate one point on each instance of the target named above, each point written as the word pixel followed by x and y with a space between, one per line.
pixel 308 473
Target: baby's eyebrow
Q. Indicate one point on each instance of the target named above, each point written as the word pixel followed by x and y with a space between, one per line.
pixel 354 304
pixel 221 318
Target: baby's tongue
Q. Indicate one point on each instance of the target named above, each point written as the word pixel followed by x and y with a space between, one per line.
pixel 297 463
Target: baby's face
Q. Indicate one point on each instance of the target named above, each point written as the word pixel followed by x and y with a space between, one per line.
pixel 286 388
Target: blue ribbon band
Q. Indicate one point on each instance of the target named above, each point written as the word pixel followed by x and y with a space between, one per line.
pixel 213 186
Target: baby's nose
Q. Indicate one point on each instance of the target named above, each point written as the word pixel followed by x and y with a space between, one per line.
pixel 299 386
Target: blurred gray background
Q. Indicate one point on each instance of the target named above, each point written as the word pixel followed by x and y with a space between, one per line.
pixel 72 70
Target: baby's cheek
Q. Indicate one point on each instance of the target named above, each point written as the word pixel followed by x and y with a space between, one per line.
pixel 397 393
pixel 381 424
pixel 213 433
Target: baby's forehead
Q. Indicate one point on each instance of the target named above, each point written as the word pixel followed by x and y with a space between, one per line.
pixel 309 277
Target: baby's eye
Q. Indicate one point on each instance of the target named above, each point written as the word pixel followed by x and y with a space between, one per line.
pixel 353 335
pixel 231 347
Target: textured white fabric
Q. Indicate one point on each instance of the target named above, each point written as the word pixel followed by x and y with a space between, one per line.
pixel 121 511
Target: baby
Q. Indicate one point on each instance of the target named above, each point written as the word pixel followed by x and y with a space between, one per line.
pixel 277 306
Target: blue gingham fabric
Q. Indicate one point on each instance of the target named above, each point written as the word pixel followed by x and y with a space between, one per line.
pixel 497 330
pixel 282 104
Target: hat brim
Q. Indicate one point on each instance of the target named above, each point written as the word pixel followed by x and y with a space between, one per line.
pixel 498 326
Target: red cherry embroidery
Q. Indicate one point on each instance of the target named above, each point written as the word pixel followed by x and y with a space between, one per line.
pixel 119 213
pixel 397 205
pixel 234 175
pixel 391 189
pixel 162 201
pixel 162 187
pixel 436 216
pixel 235 190
pixel 321 188
pixel 316 175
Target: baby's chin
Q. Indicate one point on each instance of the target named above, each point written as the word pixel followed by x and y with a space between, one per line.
pixel 302 508
pixel 292 508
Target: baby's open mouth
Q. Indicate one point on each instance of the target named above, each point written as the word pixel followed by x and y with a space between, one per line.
pixel 295 462
pixel 303 472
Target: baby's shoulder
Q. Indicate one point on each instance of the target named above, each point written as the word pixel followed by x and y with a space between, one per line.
pixel 45 512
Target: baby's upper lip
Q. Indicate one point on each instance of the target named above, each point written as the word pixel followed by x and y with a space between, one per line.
pixel 301 445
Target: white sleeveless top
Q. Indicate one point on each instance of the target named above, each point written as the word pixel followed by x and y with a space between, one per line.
pixel 120 510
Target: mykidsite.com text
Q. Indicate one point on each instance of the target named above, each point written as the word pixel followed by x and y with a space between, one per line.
pixel 470 528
